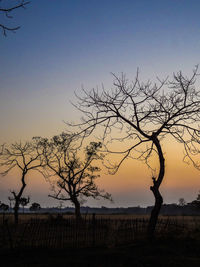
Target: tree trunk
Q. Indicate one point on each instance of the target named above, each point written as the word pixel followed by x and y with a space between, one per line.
pixel 155 189
pixel 17 198
pixel 155 212
pixel 16 212
pixel 77 209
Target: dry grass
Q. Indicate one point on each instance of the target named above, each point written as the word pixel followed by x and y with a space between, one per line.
pixel 50 231
pixel 125 247
pixel 189 221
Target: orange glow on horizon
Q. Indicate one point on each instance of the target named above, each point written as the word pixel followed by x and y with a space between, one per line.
pixel 132 177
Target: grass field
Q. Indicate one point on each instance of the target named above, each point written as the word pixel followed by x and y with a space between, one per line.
pixel 53 244
pixel 190 221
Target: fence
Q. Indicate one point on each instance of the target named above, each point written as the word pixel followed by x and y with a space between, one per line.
pixel 68 233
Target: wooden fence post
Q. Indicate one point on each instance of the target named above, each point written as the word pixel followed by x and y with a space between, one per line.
pixel 93 229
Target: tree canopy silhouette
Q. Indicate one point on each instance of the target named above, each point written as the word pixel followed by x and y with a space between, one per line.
pixel 144 114
pixel 23 157
pixel 196 203
pixel 72 169
pixel 24 201
pixel 35 207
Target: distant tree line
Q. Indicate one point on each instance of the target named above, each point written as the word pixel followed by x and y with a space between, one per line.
pixel 191 208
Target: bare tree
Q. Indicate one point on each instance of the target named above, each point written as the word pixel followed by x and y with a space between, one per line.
pixel 144 114
pixel 24 201
pixel 75 177
pixel 7 11
pixel 35 207
pixel 196 203
pixel 24 158
pixel 11 199
pixel 4 208
pixel 182 202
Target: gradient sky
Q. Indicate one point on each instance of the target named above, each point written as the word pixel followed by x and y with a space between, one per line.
pixel 65 44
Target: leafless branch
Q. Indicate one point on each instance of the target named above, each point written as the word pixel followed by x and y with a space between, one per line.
pixel 7 11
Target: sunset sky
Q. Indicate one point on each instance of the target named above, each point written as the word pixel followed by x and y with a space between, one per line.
pixel 66 44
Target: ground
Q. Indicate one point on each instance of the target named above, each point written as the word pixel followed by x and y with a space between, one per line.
pixel 171 250
pixel 161 253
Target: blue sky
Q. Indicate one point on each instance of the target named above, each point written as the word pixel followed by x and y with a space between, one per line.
pixel 65 44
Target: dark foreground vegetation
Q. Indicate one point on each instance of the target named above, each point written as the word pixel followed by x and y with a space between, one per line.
pixel 59 233
pixel 160 253
pixel 99 241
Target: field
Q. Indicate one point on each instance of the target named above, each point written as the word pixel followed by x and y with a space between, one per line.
pixel 27 216
pixel 190 222
pixel 103 240
pixel 58 231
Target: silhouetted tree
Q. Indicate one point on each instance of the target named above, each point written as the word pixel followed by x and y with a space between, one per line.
pixel 4 208
pixel 181 202
pixel 144 114
pixel 35 207
pixel 7 11
pixel 60 205
pixel 24 158
pixel 75 178
pixel 24 201
pixel 196 203
pixel 10 201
